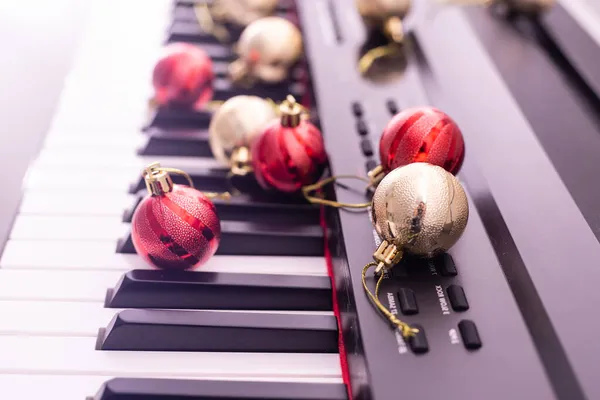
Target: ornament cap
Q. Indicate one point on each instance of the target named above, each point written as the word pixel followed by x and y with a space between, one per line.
pixel 158 181
pixel 392 27
pixel 240 161
pixel 291 112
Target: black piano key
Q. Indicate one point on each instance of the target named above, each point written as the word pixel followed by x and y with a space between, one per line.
pixel 277 92
pixel 172 117
pixel 209 180
pixel 184 13
pixel 188 389
pixel 176 142
pixel 282 5
pixel 220 291
pixel 245 208
pixel 244 238
pixel 188 31
pixel 213 331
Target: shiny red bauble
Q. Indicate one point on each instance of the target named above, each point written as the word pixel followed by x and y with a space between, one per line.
pixel 423 134
pixel 183 77
pixel 176 230
pixel 288 158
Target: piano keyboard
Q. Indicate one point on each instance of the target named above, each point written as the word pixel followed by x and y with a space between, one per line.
pixel 60 336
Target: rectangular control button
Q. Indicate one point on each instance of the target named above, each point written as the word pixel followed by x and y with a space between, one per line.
pixel 366 147
pixel 445 264
pixel 408 301
pixel 418 342
pixel 357 109
pixel 361 127
pixel 469 334
pixel 457 297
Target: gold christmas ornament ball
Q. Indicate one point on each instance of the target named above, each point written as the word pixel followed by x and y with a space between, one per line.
pixel 420 208
pixel 236 123
pixel 244 12
pixel 377 11
pixel 530 6
pixel 267 49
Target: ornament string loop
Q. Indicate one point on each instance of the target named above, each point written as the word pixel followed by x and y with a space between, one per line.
pixel 158 181
pixel 309 189
pixel 366 62
pixel 207 22
pixel 405 329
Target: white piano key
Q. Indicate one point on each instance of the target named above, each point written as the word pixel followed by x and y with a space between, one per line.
pixel 72 286
pixel 77 356
pixel 74 202
pixel 86 157
pixel 76 179
pixel 103 143
pixel 71 318
pixel 79 387
pixel 60 387
pixel 48 318
pixel 101 256
pixel 68 228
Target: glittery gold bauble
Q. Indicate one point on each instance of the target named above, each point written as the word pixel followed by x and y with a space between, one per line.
pixel 243 12
pixel 420 208
pixel 237 123
pixel 530 6
pixel 267 49
pixel 380 10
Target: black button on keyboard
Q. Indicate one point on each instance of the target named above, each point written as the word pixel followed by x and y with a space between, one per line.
pixel 190 389
pixel 370 165
pixel 367 147
pixel 418 342
pixel 213 331
pixel 445 265
pixel 220 291
pixel 357 109
pixel 392 107
pixel 407 301
pixel 457 297
pixel 469 334
pixel 361 127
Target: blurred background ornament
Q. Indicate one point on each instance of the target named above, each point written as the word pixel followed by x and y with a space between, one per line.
pixel 267 49
pixel 183 77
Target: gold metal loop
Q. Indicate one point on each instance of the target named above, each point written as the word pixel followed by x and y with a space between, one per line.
pixel 367 61
pixel 207 22
pixel 405 329
pixel 307 190
pixel 177 172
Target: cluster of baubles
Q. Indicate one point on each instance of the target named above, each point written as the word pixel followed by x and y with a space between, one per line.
pixel 267 48
pixel 418 205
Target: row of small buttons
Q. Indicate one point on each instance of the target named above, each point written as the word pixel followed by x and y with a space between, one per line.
pixel 363 130
pixel 468 331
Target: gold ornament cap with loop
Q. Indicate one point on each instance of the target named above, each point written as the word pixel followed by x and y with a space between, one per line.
pixel 291 112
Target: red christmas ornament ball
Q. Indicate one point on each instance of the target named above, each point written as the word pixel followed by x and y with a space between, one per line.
pixel 183 76
pixel 288 158
pixel 423 134
pixel 176 230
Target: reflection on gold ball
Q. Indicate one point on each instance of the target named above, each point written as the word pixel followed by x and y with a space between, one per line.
pixel 237 123
pixel 420 208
